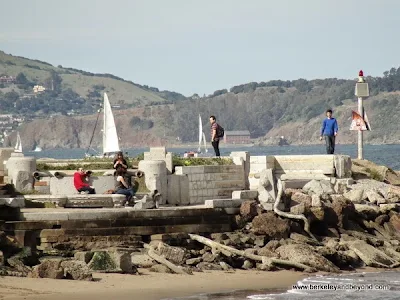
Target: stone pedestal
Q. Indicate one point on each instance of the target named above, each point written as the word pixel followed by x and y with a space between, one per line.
pixel 20 171
pixel 155 173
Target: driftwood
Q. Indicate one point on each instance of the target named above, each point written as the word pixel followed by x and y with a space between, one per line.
pixel 265 260
pixel 288 215
pixel 164 261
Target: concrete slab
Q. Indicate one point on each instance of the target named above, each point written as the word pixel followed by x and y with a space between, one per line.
pixel 248 194
pixel 16 202
pixel 224 203
pixel 57 200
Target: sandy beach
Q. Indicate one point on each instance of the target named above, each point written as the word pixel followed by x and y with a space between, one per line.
pixel 148 286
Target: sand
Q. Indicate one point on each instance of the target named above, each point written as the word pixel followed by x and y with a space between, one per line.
pixel 148 286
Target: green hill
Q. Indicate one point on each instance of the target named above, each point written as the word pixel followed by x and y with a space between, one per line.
pixel 293 109
pixel 72 85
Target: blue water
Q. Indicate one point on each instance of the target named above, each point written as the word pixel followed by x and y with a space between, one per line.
pixel 362 286
pixel 388 155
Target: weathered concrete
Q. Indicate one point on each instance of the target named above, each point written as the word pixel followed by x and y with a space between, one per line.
pixel 156 177
pixel 160 153
pixel 5 154
pixel 65 185
pixel 248 194
pixel 178 190
pixel 20 170
pixel 342 166
pixel 56 200
pixel 242 158
pixel 267 188
pixel 96 200
pixel 211 182
pixel 16 202
pixel 224 203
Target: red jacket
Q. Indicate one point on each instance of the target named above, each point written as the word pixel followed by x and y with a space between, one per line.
pixel 79 180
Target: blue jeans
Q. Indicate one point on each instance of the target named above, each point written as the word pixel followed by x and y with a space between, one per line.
pixel 129 193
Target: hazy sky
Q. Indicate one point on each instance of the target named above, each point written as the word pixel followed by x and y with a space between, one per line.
pixel 200 46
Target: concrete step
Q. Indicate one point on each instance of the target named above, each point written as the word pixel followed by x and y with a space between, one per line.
pixel 136 230
pixel 210 218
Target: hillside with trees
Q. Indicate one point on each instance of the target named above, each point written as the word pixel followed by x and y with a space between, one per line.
pixel 68 91
pixel 293 109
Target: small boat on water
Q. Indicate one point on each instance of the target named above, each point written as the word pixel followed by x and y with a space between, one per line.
pixel 37 149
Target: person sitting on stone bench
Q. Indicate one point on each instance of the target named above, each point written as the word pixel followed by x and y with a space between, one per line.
pixel 80 182
pixel 123 186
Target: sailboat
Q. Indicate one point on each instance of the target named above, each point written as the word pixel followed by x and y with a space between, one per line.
pixel 202 137
pixel 110 136
pixel 18 145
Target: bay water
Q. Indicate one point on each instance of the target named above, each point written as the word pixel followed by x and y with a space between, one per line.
pixel 388 155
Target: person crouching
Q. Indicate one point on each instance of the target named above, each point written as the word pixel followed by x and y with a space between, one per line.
pixel 80 182
pixel 123 186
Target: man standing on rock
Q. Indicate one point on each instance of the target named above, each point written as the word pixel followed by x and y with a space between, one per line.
pixel 329 130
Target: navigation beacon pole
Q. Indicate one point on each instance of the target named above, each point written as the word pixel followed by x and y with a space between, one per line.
pixel 362 90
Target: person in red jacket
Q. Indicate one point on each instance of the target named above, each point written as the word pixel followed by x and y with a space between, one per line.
pixel 80 177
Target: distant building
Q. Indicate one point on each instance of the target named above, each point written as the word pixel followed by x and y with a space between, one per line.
pixel 38 89
pixel 237 137
pixel 7 79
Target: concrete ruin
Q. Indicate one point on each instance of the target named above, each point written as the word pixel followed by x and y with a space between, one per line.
pixel 180 193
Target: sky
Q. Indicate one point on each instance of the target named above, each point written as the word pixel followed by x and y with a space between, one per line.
pixel 199 46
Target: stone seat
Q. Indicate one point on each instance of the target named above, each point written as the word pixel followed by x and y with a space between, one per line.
pixel 79 200
pixel 94 200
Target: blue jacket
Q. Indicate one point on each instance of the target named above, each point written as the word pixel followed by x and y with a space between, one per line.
pixel 329 127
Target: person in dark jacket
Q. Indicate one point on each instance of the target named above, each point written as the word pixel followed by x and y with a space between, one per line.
pixel 120 162
pixel 329 130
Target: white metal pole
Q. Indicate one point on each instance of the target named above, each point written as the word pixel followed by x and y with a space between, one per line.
pixel 360 132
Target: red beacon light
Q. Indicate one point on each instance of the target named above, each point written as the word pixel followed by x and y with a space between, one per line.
pixel 361 73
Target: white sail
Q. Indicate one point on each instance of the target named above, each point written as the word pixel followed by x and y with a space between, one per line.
pixel 205 143
pixel 200 133
pixel 110 137
pixel 18 145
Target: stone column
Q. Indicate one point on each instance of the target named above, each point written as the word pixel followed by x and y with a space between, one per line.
pixel 155 173
pixel 20 171
pixel 243 158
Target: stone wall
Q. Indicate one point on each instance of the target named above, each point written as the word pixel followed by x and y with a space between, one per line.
pixel 65 185
pixel 300 167
pixel 212 182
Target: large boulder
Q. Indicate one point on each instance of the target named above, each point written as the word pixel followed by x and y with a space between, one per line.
pixel 176 255
pixel 301 253
pixel 322 188
pixel 300 197
pixel 49 268
pixel 271 225
pixel 339 212
pixel 355 196
pixel 367 212
pixel 76 270
pixel 375 197
pixel 370 255
pixel 248 210
pixel 395 222
pixel 142 260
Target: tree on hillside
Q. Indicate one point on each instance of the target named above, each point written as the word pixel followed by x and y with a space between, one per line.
pixel 21 79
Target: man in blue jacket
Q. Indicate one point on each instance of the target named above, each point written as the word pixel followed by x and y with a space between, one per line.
pixel 329 131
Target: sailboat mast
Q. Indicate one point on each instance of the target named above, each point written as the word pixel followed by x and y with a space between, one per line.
pixel 200 133
pixel 94 129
